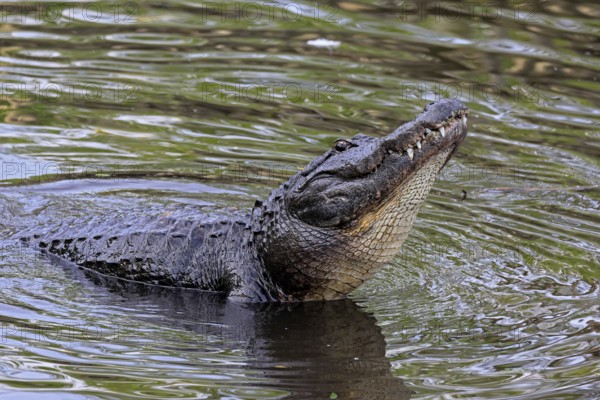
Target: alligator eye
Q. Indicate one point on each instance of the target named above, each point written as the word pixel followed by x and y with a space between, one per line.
pixel 341 145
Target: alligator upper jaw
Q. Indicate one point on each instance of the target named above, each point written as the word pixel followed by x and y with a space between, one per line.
pixel 438 128
pixel 441 127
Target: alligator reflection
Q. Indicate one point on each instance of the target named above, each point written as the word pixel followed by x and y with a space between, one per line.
pixel 308 349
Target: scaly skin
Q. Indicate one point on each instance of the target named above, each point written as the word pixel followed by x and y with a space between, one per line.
pixel 317 237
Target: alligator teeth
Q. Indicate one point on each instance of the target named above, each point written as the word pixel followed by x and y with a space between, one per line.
pixel 410 153
pixel 464 119
pixel 427 131
pixel 443 131
pixel 419 144
pixel 390 151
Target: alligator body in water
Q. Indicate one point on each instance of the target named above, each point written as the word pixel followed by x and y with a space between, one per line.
pixel 318 236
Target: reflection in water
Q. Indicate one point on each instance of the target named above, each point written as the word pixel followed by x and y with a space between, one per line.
pixel 308 349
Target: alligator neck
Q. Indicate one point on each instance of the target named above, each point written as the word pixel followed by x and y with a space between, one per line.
pixel 305 262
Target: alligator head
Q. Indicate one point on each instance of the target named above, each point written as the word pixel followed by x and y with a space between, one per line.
pixel 337 222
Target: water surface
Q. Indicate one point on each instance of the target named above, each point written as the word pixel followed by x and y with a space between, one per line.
pixel 114 107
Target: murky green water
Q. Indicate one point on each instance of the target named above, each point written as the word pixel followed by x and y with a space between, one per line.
pixel 114 106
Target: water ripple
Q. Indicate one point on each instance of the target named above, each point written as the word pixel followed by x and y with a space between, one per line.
pixel 149 106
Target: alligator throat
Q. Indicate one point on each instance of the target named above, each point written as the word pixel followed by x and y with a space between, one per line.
pixel 317 237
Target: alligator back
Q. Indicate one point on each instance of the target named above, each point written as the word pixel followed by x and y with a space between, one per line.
pixel 176 248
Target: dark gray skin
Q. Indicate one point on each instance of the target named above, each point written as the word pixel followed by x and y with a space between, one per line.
pixel 317 237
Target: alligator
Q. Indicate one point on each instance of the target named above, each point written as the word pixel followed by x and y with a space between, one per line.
pixel 318 236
